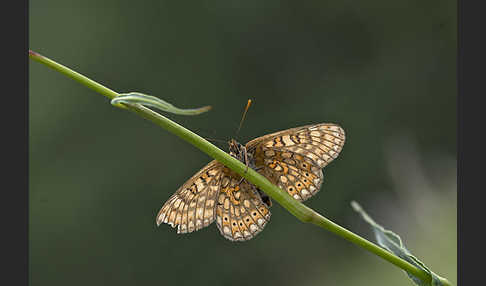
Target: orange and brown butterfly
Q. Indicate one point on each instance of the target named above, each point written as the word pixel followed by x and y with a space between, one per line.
pixel 291 159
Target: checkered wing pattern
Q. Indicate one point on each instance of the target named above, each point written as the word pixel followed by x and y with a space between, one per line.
pixel 293 159
pixel 240 213
pixel 193 206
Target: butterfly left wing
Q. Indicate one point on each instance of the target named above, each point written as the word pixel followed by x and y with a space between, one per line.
pixel 192 206
pixel 293 159
pixel 240 213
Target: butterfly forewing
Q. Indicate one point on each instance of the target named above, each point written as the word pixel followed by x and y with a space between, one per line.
pixel 293 159
pixel 193 206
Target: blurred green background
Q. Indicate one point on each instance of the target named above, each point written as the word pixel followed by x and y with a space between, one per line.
pixel 384 70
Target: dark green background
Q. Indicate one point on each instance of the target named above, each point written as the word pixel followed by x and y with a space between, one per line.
pixel 384 70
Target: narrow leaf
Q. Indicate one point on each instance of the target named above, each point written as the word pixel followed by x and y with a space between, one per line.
pixel 152 101
pixel 393 243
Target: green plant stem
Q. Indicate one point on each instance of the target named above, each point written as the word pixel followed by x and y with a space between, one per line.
pixel 299 210
pixel 74 75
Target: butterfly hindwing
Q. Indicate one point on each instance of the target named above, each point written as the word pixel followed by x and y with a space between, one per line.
pixel 240 213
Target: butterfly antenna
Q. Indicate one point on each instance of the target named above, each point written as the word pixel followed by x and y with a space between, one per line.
pixel 214 139
pixel 244 114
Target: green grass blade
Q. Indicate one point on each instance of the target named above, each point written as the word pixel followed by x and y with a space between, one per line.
pixel 393 243
pixel 152 101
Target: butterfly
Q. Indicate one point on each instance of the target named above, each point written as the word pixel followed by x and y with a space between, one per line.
pixel 292 159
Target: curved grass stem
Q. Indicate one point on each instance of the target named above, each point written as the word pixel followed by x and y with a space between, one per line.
pixel 299 210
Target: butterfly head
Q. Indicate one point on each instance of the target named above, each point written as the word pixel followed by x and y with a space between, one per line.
pixel 235 148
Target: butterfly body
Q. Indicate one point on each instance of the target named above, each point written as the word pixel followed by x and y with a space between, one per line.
pixel 291 159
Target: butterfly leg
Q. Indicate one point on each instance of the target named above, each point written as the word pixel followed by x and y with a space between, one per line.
pixel 246 159
pixel 245 156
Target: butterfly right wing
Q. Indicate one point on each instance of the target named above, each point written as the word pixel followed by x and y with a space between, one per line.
pixel 293 159
pixel 193 205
